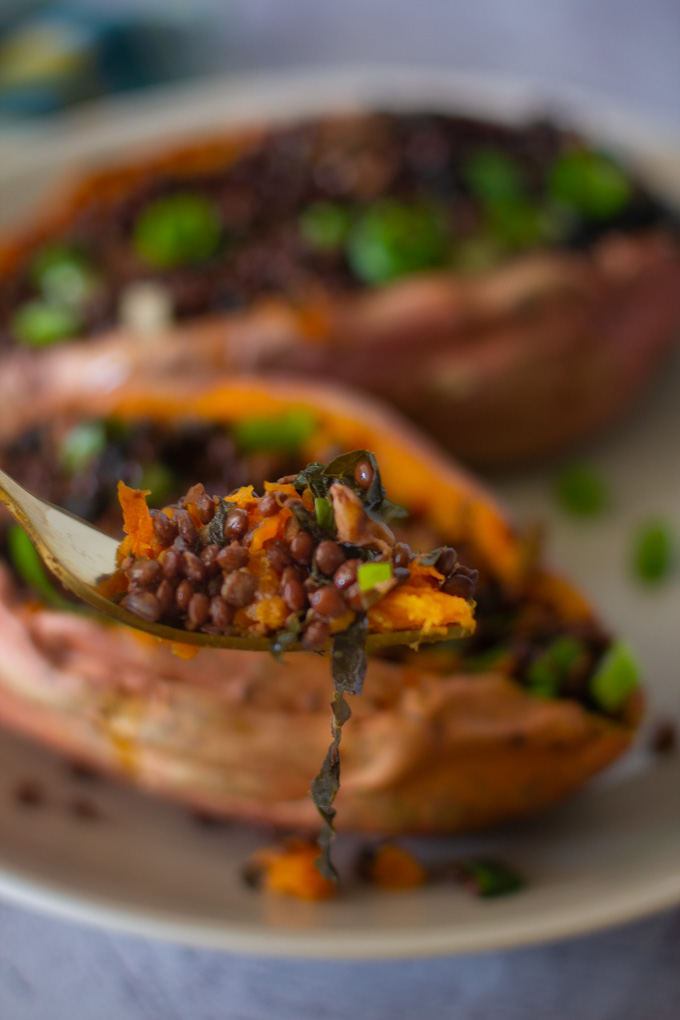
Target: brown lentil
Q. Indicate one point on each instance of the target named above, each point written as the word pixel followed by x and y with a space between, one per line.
pixel 294 594
pixel 145 573
pixel 346 575
pixel 221 614
pixel 235 524
pixel 447 561
pixel 363 475
pixel 401 574
pixel 354 597
pixel 171 563
pixel 185 590
pixel 186 528
pixel 315 635
pixel 165 593
pixel 215 585
pixel 209 558
pixel 198 610
pixel 143 604
pixel 239 588
pixel 328 603
pixel 329 556
pixel 278 554
pixel 462 583
pixel 401 556
pixel 205 509
pixel 232 557
pixel 193 567
pixel 301 547
pixel 164 529
pixel 268 505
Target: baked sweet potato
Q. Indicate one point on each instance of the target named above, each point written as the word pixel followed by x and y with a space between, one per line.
pixel 443 739
pixel 481 278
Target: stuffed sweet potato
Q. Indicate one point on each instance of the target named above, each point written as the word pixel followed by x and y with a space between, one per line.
pixel 443 739
pixel 479 277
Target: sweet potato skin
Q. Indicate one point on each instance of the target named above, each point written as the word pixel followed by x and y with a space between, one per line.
pixel 240 735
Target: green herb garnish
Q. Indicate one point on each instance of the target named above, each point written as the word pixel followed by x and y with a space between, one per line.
pixel 615 678
pixel 548 672
pixel 325 225
pixel 590 184
pixel 324 512
pixel 284 432
pixel 486 877
pixel 370 574
pixel 81 445
pixel 40 323
pixel 581 491
pixel 63 275
pixel 178 230
pixel 348 669
pixel 653 552
pixel 29 566
pixel 391 239
pixel 160 480
pixel 493 176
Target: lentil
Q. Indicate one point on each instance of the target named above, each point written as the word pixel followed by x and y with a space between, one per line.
pixel 301 547
pixel 329 556
pixel 328 603
pixel 184 593
pixel 232 557
pixel 143 604
pixel 278 554
pixel 316 635
pixel 346 575
pixel 363 475
pixel 198 610
pixel 235 524
pixel 238 589
pixel 165 530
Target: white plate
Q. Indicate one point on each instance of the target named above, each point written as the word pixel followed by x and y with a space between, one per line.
pixel 612 853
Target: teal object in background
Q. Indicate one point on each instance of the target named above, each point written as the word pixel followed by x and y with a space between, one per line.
pixel 53 55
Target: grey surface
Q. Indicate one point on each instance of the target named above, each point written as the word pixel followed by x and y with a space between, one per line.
pixel 52 969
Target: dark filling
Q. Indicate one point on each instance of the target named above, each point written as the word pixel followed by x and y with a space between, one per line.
pixel 333 204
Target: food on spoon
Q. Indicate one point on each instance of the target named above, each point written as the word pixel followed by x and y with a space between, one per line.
pixel 448 738
pixel 306 560
pixel 481 277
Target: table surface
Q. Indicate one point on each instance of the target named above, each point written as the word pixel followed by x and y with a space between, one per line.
pixel 47 966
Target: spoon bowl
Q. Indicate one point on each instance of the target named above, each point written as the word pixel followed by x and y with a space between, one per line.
pixel 80 556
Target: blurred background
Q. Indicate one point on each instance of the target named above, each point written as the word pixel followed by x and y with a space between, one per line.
pixel 56 54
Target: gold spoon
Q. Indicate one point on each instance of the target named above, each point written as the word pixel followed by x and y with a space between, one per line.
pixel 80 556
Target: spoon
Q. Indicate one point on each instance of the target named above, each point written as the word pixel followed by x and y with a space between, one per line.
pixel 80 556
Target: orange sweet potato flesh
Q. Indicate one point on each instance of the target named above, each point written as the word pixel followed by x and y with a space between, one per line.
pixel 237 734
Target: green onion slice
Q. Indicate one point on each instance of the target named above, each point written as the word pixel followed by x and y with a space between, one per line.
pixel 178 230
pixel 41 324
pixel 581 491
pixel 324 512
pixel 590 184
pixel 391 239
pixel 325 225
pixel 370 574
pixel 653 552
pixel 284 432
pixel 615 678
